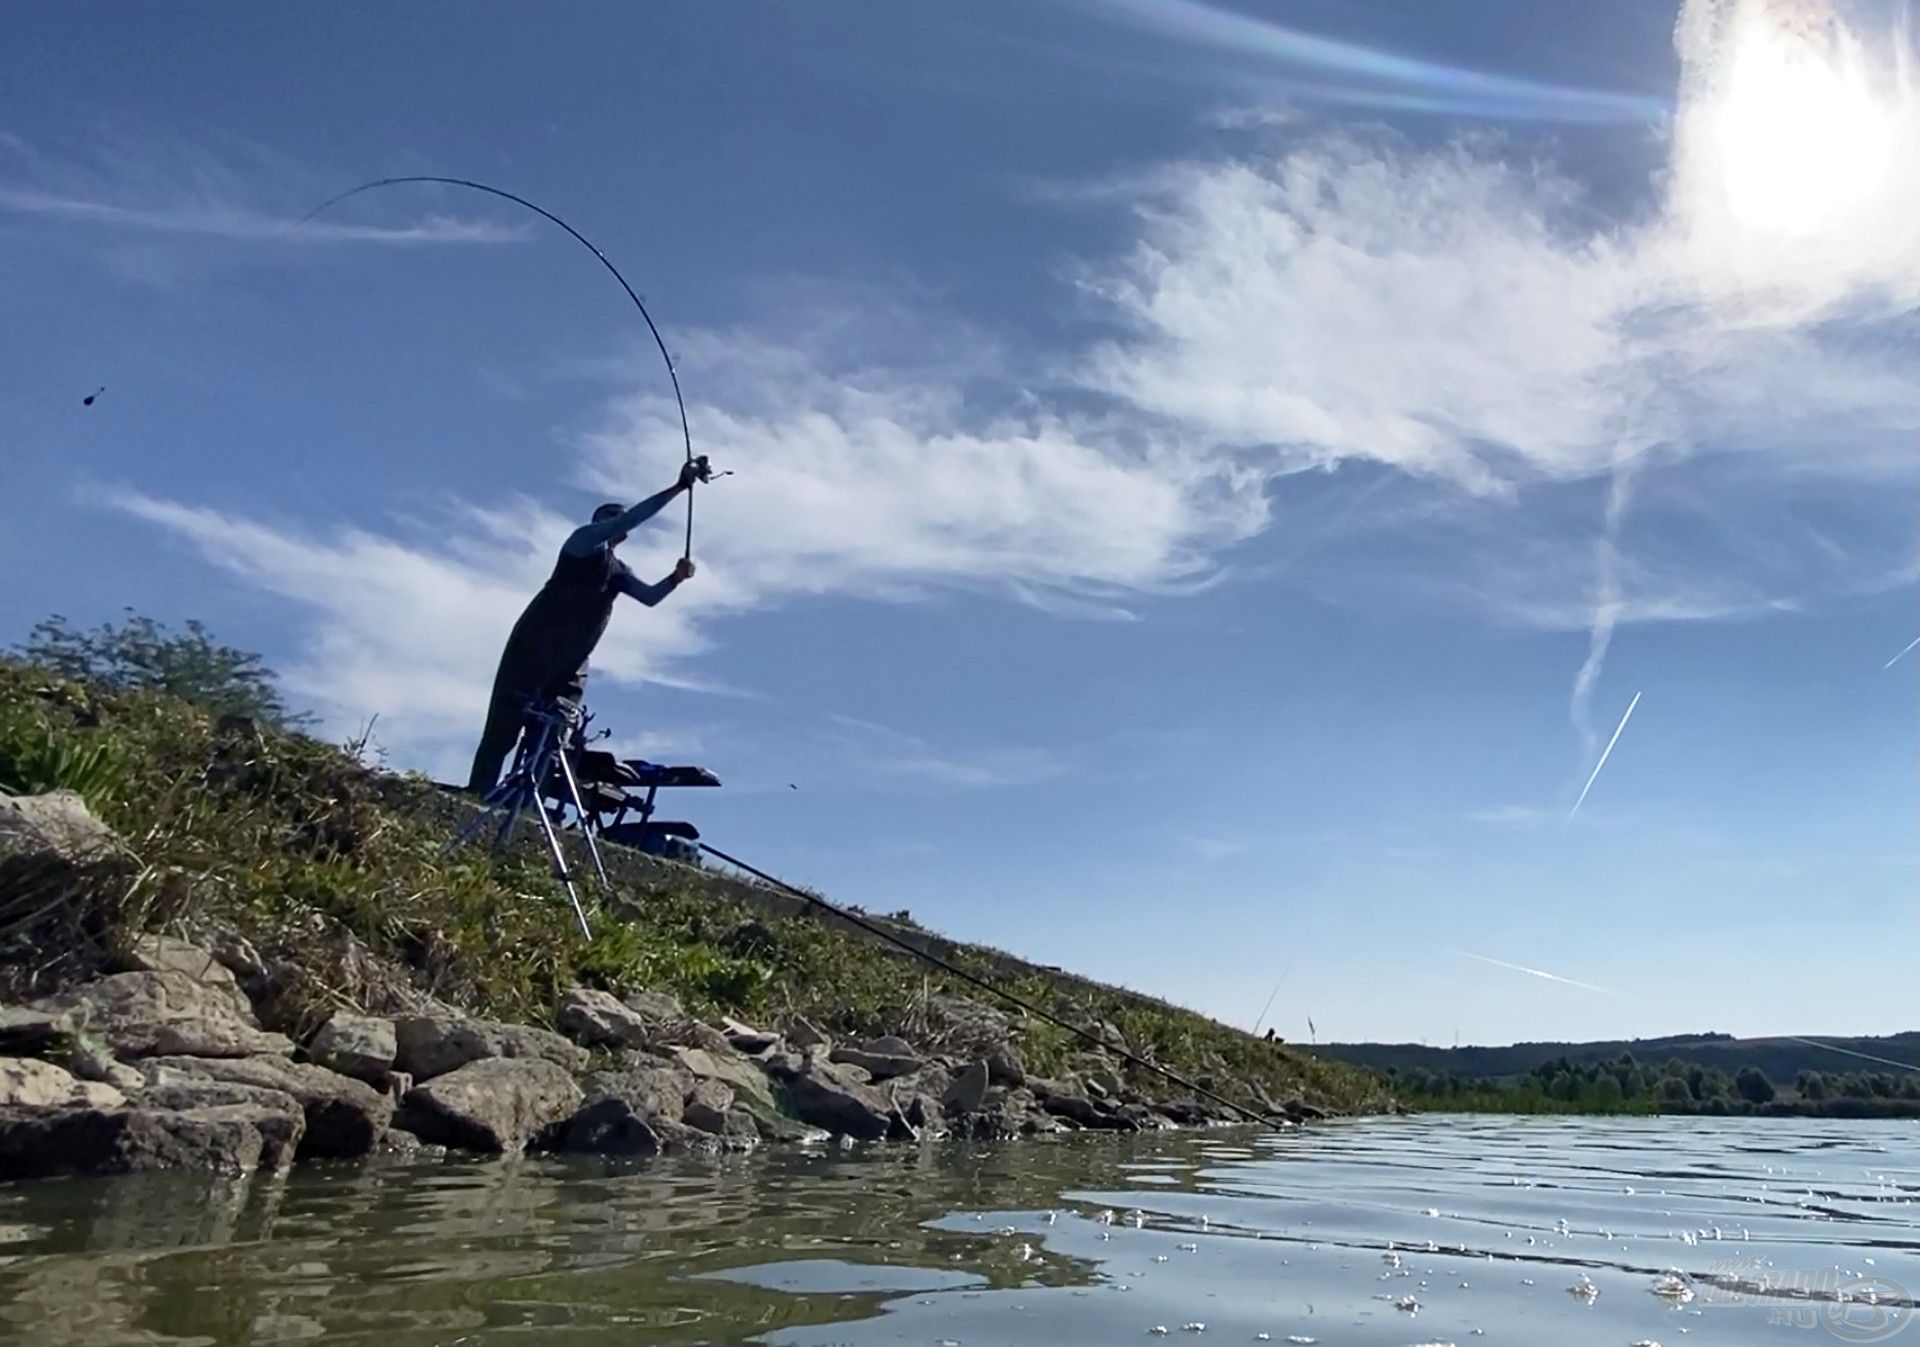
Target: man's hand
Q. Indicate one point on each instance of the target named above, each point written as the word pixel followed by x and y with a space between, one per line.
pixel 693 470
pixel 683 570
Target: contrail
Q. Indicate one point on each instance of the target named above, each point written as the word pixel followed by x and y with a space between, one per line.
pixel 1903 654
pixel 1605 754
pixel 1536 972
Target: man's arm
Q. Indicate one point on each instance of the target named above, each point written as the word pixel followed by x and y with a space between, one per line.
pixel 589 536
pixel 626 582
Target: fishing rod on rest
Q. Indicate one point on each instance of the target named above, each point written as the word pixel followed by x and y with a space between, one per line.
pixel 1022 1003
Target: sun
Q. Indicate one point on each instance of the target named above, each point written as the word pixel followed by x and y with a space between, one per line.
pixel 1799 135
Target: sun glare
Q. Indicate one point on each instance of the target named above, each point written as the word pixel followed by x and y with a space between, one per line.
pixel 1800 137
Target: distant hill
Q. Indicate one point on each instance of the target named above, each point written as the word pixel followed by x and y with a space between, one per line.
pixel 1782 1059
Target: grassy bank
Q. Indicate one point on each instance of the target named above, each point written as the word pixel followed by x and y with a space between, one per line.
pixel 334 872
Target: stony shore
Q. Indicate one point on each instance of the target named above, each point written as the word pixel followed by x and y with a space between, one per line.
pixel 166 1062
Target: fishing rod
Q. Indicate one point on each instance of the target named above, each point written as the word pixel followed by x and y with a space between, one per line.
pixel 703 471
pixel 944 966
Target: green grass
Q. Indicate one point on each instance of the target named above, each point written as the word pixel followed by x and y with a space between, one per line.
pixel 337 874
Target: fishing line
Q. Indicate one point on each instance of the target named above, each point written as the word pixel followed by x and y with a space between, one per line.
pixel 986 986
pixel 686 432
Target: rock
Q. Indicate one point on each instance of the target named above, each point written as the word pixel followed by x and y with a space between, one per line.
pixel 398 1145
pixel 55 828
pixel 694 1034
pixel 1102 1081
pixel 344 1117
pixel 749 1083
pixel 493 1104
pixel 877 1065
pixel 803 1034
pixel 709 1106
pixel 651 1088
pixel 1186 1112
pixel 779 1127
pixel 607 1126
pixel 361 1046
pixel 1006 1067
pixel 745 1038
pixel 968 1091
pixel 891 1046
pixel 656 1008
pixel 601 1020
pixel 826 1095
pixel 89 1059
pixel 36 1143
pixel 1088 1112
pixel 430 1045
pixel 156 953
pixel 168 1013
pixel 29 1083
pixel 26 1032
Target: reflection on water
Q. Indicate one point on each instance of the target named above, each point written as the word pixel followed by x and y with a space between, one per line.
pixel 1382 1233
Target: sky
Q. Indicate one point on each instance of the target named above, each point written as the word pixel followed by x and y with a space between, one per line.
pixel 1208 480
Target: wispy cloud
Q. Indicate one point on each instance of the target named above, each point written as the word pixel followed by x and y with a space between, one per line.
pixel 883 754
pixel 244 196
pixel 229 220
pixel 1351 74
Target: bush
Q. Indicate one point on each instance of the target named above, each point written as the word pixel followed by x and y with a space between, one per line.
pixel 138 654
pixel 34 758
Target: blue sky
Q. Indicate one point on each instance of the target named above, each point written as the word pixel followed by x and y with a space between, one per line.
pixel 1209 480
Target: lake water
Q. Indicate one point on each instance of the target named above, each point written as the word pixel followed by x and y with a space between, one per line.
pixel 1382 1233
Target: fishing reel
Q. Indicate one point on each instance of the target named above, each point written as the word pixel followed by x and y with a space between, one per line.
pixel 703 470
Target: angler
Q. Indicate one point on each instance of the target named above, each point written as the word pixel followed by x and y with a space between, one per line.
pixel 546 655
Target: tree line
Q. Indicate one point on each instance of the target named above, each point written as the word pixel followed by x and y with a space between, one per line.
pixel 1622 1084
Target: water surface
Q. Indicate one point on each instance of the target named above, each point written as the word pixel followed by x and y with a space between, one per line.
pixel 1379 1234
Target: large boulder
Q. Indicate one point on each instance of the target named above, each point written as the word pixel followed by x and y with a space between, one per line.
pixel 493 1104
pixel 747 1080
pixel 878 1065
pixel 361 1046
pixel 433 1044
pixel 602 1020
pixel 38 1143
pixel 156 953
pixel 830 1096
pixel 54 828
pixel 167 1013
pixel 649 1087
pixel 607 1126
pixel 29 1083
pixel 657 1008
pixel 1090 1113
pixel 344 1117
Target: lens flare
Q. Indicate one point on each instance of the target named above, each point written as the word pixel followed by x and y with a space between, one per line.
pixel 1800 137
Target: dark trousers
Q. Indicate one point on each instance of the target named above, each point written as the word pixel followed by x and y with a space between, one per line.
pixel 506 714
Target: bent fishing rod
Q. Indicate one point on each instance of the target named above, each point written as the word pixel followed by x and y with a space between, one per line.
pixel 703 471
pixel 1099 1041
